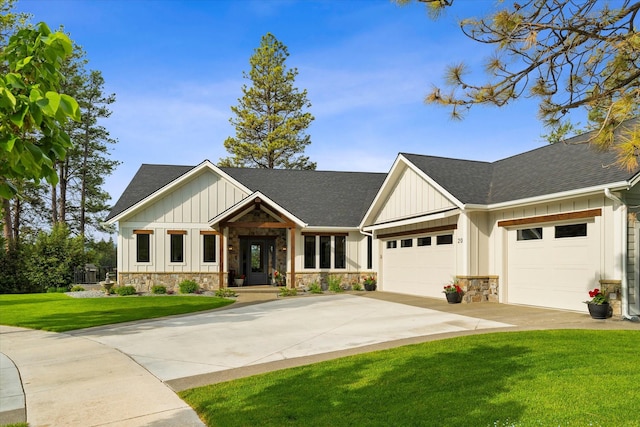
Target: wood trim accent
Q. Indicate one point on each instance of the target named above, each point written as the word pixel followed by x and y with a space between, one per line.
pixel 257 224
pixel 142 231
pixel 551 218
pixel 311 233
pixel 183 232
pixel 292 251
pixel 450 227
pixel 221 283
pixel 209 232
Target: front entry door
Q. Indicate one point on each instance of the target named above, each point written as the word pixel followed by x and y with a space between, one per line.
pixel 259 260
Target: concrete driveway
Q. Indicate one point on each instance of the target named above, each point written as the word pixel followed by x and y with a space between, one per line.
pixel 197 344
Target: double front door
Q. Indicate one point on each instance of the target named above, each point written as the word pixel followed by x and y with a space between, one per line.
pixel 258 258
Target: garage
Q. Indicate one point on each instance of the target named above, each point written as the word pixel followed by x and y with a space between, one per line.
pixel 418 265
pixel 553 265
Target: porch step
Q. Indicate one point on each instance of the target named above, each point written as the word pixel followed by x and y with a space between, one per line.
pixel 258 289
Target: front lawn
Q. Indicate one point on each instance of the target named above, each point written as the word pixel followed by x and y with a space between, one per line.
pixel 539 378
pixel 59 312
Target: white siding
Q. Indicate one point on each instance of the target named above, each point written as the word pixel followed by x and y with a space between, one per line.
pixel 188 207
pixel 411 196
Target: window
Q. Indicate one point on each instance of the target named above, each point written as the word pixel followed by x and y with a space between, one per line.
pixel 309 251
pixel 369 252
pixel 529 233
pixel 325 251
pixel 177 247
pixel 446 239
pixel 572 230
pixel 340 252
pixel 209 248
pixel 406 243
pixel 392 244
pixel 143 253
pixel 424 241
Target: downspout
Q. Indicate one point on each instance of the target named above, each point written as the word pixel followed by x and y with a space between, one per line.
pixel 625 227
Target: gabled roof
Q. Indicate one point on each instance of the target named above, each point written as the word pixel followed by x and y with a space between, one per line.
pixel 319 198
pixel 555 168
pixel 148 180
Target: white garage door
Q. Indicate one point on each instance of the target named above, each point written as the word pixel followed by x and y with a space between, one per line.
pixel 553 265
pixel 419 265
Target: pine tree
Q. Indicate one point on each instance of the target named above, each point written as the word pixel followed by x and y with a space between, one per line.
pixel 270 119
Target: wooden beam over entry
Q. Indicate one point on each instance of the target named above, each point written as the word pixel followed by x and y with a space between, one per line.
pixel 257 224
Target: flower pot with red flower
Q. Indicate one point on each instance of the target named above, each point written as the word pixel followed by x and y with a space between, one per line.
pixel 598 305
pixel 453 292
pixel 370 283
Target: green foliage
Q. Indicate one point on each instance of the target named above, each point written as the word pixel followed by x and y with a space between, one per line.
pixel 59 312
pixel 356 286
pixel 158 289
pixel 287 292
pixel 270 122
pixel 188 287
pixel 59 290
pixel 225 292
pixel 315 288
pixel 124 291
pixel 540 378
pixel 77 288
pixel 32 111
pixel 569 55
pixel 53 257
pixel 335 283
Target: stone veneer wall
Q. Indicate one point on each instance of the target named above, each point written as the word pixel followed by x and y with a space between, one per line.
pixel 303 280
pixel 144 281
pixel 609 287
pixel 479 288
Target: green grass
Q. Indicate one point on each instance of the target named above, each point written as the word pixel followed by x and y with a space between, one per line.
pixel 540 378
pixel 59 312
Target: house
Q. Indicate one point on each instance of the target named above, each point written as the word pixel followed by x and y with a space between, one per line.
pixel 541 228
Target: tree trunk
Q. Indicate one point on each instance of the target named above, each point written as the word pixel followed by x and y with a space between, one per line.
pixel 7 231
pixel 54 205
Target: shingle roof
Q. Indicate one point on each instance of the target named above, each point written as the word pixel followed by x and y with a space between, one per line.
pixel 554 168
pixel 319 198
pixel 145 182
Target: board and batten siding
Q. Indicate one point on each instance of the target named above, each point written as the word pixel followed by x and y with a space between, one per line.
pixel 411 196
pixel 187 207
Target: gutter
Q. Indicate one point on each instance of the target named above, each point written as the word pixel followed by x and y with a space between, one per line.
pixel 625 284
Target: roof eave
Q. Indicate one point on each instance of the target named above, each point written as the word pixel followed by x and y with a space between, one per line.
pixel 162 191
pixel 614 186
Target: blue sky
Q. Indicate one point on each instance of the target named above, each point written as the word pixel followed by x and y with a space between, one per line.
pixel 176 69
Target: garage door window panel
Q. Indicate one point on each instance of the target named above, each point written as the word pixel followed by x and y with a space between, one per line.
pixel 446 239
pixel 571 230
pixel 406 243
pixel 529 234
pixel 392 244
pixel 424 241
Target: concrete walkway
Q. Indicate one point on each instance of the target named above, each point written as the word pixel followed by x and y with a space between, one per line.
pixel 91 378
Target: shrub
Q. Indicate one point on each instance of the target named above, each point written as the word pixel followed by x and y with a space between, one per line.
pixel 286 292
pixel 125 290
pixel 225 292
pixel 77 288
pixel 356 287
pixel 334 283
pixel 315 288
pixel 188 287
pixel 158 289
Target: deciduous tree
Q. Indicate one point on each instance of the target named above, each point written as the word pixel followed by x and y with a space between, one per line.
pixel 271 120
